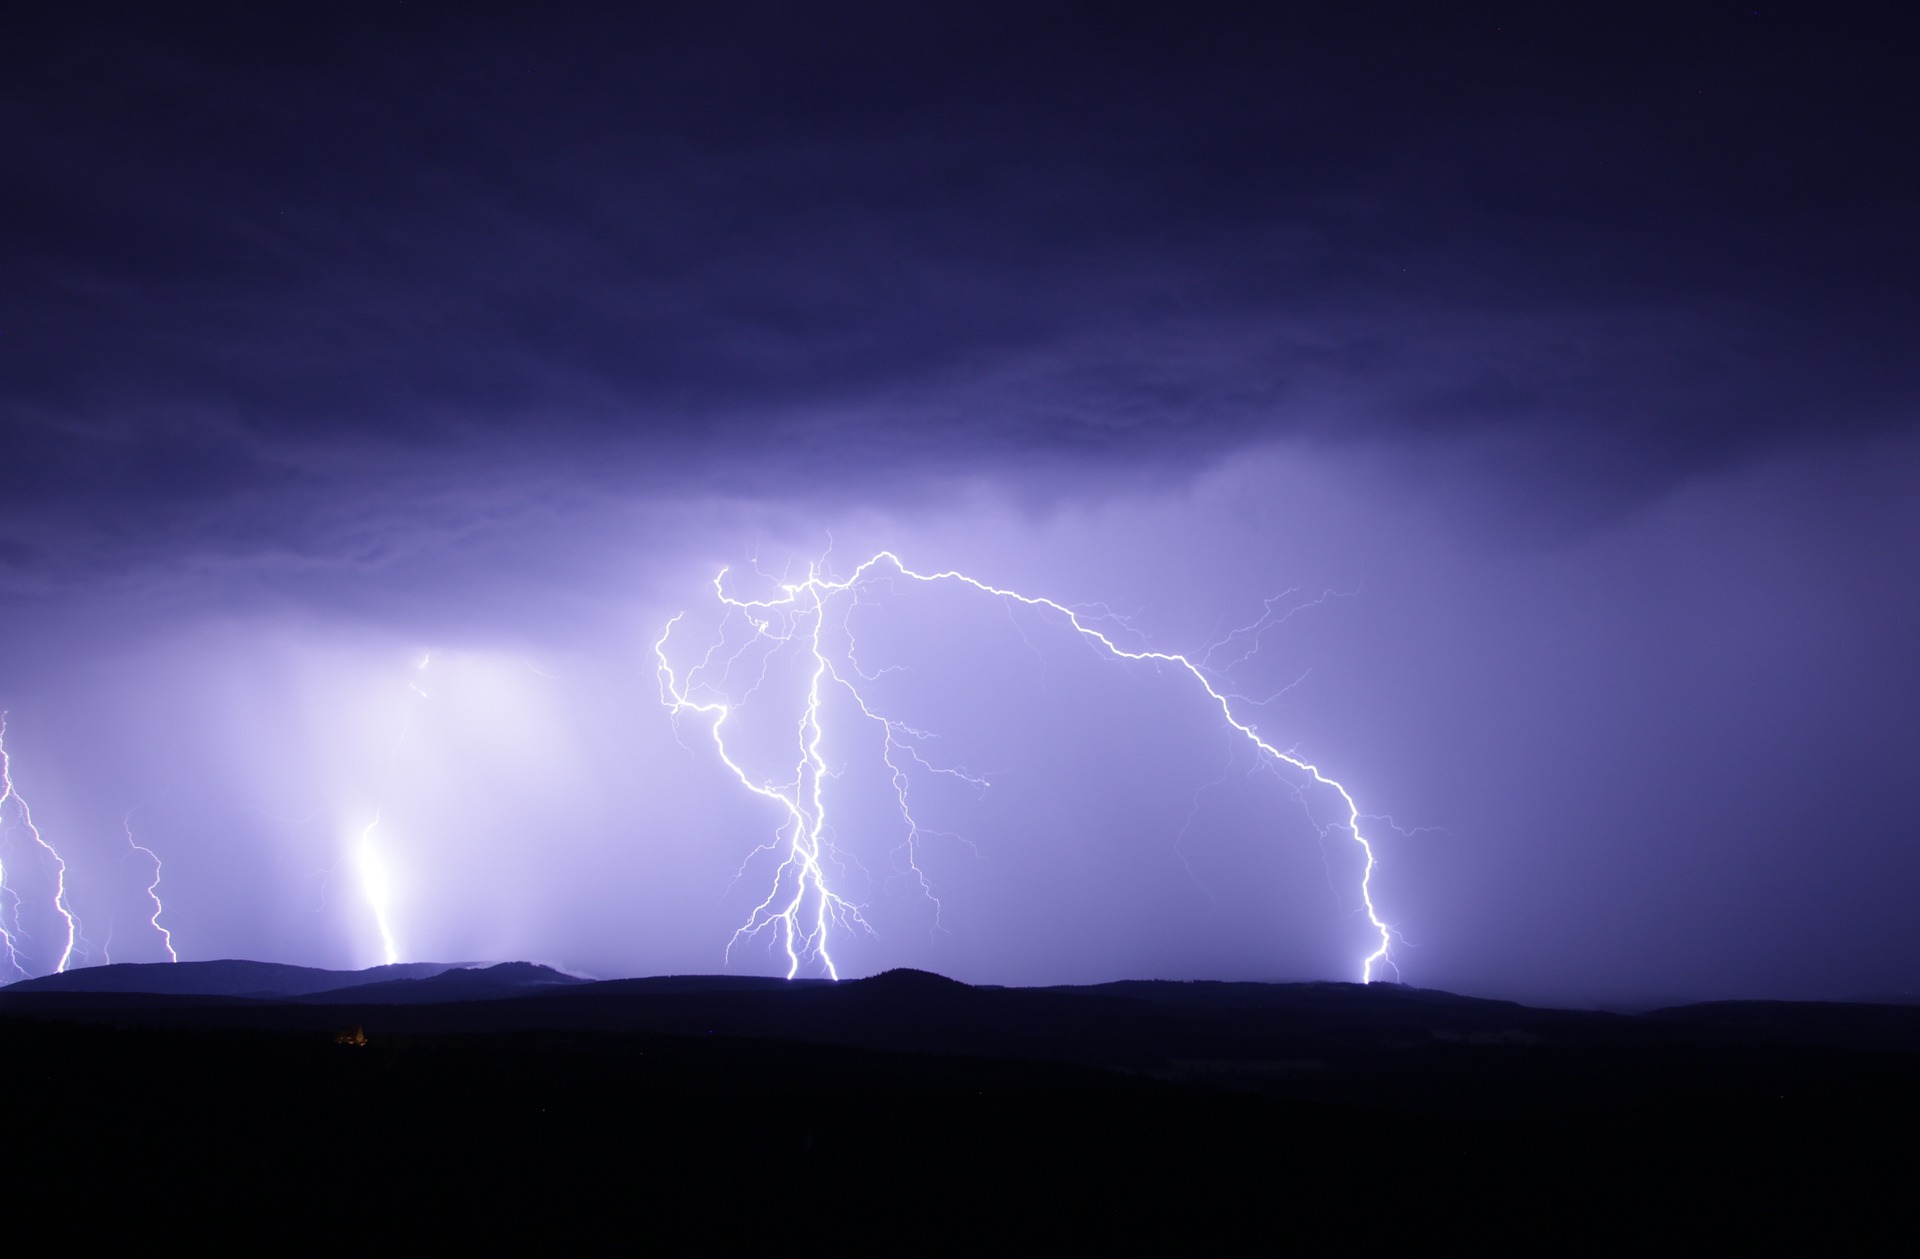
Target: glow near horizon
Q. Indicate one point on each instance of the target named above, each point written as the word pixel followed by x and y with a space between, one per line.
pixel 378 889
pixel 376 883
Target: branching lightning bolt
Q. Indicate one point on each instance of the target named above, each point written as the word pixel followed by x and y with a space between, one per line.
pixel 803 906
pixel 8 935
pixel 801 880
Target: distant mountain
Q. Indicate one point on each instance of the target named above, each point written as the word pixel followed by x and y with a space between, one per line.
pixel 1867 1025
pixel 1206 1027
pixel 686 984
pixel 461 983
pixel 230 977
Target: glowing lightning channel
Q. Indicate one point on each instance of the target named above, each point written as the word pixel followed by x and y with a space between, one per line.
pixel 376 884
pixel 153 888
pixel 7 937
pixel 802 905
pixel 801 880
pixel 373 881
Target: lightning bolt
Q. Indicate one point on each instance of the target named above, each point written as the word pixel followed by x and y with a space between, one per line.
pixel 9 936
pixel 802 906
pixel 153 888
pixel 801 903
pixel 375 883
pixel 375 886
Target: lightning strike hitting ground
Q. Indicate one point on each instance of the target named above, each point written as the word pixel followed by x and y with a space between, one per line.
pixel 376 884
pixel 802 907
pixel 11 908
pixel 153 888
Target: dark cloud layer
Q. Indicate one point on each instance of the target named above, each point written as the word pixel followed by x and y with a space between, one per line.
pixel 259 260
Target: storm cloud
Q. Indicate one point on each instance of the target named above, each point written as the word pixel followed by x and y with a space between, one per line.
pixel 1571 350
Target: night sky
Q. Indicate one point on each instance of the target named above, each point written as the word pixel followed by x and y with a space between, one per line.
pixel 1560 362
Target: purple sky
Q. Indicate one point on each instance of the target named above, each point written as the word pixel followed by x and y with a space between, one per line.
pixel 1573 352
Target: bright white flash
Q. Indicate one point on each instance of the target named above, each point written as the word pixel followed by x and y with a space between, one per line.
pixel 377 888
pixel 375 884
pixel 9 899
pixel 802 908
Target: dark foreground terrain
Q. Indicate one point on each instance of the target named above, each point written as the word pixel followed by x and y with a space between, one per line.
pixel 907 1112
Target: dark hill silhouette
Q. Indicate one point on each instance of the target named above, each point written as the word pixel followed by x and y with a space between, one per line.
pixel 230 977
pixel 1206 1108
pixel 1827 1023
pixel 461 983
pixel 905 979
pixel 1159 1026
pixel 1137 1024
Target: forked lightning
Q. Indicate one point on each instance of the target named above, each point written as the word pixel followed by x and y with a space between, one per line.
pixel 803 907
